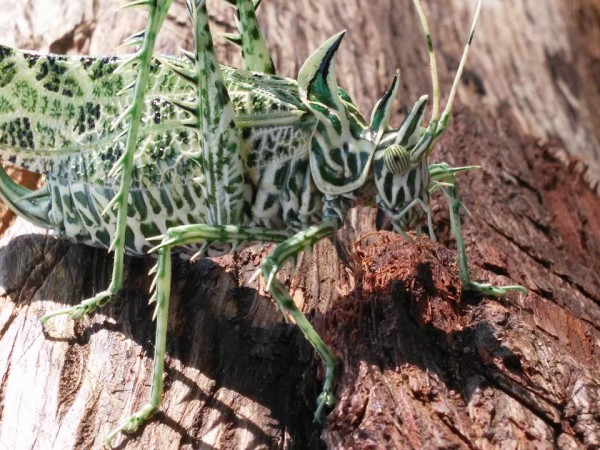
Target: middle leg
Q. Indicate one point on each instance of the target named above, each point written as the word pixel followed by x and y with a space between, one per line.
pixel 289 251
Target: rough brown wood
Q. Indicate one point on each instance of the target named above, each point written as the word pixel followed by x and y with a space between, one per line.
pixel 424 365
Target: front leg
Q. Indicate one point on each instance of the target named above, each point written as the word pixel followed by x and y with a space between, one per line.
pixel 132 116
pixel 454 203
pixel 286 251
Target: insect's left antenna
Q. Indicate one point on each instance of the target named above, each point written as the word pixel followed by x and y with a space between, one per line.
pixel 434 73
pixel 446 114
pixel 432 62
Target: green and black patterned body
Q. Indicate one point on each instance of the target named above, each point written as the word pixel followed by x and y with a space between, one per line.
pixel 57 115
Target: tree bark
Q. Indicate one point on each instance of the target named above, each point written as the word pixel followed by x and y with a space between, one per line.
pixel 423 364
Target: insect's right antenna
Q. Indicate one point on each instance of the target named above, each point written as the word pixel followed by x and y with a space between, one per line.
pixel 446 114
pixel 432 62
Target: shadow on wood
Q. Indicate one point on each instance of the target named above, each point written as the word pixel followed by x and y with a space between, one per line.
pixel 227 346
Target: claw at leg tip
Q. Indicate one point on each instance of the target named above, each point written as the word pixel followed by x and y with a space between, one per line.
pixel 495 291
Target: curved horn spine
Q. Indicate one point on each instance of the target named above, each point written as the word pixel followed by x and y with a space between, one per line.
pixel 317 84
pixel 380 118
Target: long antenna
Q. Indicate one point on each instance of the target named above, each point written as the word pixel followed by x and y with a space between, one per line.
pixel 432 62
pixel 463 60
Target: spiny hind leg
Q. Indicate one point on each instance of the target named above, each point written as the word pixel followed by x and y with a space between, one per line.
pixel 452 195
pixel 162 283
pixel 209 234
pixel 157 13
pixel 250 39
pixel 286 251
pixel 222 165
pixel 182 235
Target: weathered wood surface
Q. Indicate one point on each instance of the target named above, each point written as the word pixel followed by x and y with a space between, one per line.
pixel 424 366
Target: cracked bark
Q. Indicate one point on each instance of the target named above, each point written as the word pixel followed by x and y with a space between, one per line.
pixel 424 364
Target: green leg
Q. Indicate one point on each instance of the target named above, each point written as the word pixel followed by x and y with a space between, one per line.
pixel 220 153
pixel 287 306
pixel 157 14
pixel 250 39
pixel 163 290
pixel 220 139
pixel 208 234
pixel 452 196
pixel 178 236
pixel 287 251
pixel 254 48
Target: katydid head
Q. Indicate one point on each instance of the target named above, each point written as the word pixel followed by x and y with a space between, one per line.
pixel 399 167
pixel 400 170
pixel 348 156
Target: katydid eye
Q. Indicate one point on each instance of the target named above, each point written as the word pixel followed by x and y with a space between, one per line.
pixel 396 159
